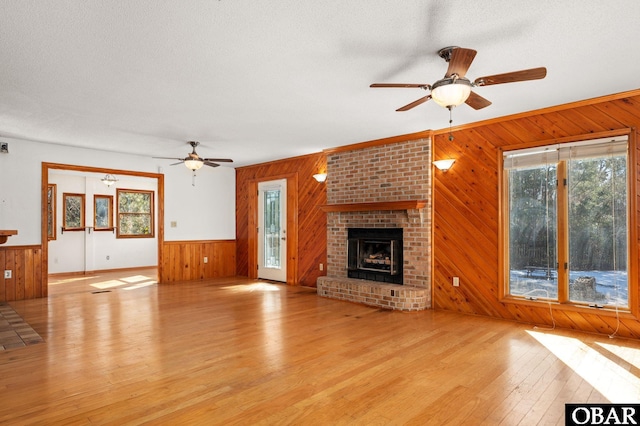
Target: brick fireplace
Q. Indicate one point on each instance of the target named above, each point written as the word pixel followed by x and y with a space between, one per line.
pixel 384 186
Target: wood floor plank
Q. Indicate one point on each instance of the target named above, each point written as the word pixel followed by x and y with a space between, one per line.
pixel 120 349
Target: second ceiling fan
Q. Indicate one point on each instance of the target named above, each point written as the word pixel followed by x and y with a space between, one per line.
pixel 455 89
pixel 194 162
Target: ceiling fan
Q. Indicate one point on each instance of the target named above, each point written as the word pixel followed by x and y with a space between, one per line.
pixel 455 89
pixel 194 162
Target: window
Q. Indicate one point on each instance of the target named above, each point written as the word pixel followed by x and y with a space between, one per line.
pixel 566 223
pixel 102 212
pixel 73 212
pixel 51 212
pixel 135 213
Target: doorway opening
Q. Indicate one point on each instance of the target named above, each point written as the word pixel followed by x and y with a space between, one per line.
pixel 154 180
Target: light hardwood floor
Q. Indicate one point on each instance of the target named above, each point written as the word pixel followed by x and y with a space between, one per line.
pixel 122 350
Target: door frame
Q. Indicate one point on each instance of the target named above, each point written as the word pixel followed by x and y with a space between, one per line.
pixel 292 225
pixel 43 214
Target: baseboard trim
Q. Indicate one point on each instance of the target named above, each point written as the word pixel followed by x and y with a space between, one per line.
pixel 102 271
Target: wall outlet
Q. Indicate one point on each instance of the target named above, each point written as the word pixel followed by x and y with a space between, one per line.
pixel 174 224
pixel 108 257
pixel 4 148
pixel 7 273
pixel 456 281
pixel 206 259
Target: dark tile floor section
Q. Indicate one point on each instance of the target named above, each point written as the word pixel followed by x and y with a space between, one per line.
pixel 14 331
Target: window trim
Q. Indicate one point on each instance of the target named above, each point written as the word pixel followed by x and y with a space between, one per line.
pixel 109 199
pixel 632 311
pixel 82 226
pixel 151 213
pixel 51 212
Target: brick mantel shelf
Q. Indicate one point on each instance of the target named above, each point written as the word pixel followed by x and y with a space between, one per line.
pixel 381 205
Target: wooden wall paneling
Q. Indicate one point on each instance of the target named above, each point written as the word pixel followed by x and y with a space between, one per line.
pixel 226 259
pixel 620 111
pixel 306 251
pixel 41 285
pixel 26 275
pixel 19 274
pixel 3 265
pixel 292 224
pixel 197 262
pixel 184 260
pixel 10 283
pixel 466 212
pixel 29 285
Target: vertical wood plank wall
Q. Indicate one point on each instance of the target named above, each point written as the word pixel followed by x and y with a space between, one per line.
pixel 27 281
pixel 311 221
pixel 466 210
pixel 184 260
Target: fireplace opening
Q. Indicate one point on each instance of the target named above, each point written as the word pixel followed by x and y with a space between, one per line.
pixel 375 254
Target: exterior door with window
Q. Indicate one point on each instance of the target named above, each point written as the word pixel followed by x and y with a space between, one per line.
pixel 272 232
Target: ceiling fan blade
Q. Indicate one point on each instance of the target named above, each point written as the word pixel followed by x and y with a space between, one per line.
pixel 476 101
pixel 219 160
pixel 175 164
pixel 414 103
pixel 401 85
pixel 460 61
pixel 207 163
pixel 168 158
pixel 512 77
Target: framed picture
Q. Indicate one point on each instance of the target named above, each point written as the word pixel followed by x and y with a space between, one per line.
pixel 73 212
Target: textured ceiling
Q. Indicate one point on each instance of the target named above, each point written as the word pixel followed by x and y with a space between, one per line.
pixel 262 80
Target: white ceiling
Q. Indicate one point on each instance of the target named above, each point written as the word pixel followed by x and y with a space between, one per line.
pixel 262 80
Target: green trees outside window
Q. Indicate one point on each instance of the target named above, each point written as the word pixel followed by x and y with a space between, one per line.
pixel 566 223
pixel 135 213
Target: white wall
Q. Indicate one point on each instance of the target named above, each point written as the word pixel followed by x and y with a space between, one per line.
pixel 202 212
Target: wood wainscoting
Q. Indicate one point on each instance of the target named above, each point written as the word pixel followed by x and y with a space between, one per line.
pixel 27 280
pixel 185 260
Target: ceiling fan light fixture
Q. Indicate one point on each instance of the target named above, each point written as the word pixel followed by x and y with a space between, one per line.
pixel 194 164
pixel 450 92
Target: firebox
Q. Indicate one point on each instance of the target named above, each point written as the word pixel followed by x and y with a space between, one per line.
pixel 375 254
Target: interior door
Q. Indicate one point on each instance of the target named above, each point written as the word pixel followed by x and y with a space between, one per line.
pixel 272 230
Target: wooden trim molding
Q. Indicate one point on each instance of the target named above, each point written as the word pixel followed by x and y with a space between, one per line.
pixel 382 205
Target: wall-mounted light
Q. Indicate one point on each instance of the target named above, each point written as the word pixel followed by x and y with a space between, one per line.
pixel 320 177
pixel 109 180
pixel 444 165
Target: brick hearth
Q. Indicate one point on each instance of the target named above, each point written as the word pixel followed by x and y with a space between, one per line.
pixel 380 174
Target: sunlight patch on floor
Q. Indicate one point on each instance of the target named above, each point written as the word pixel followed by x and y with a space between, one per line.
pixel 140 285
pixel 71 280
pixel 615 383
pixel 135 279
pixel 242 288
pixel 630 355
pixel 138 281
